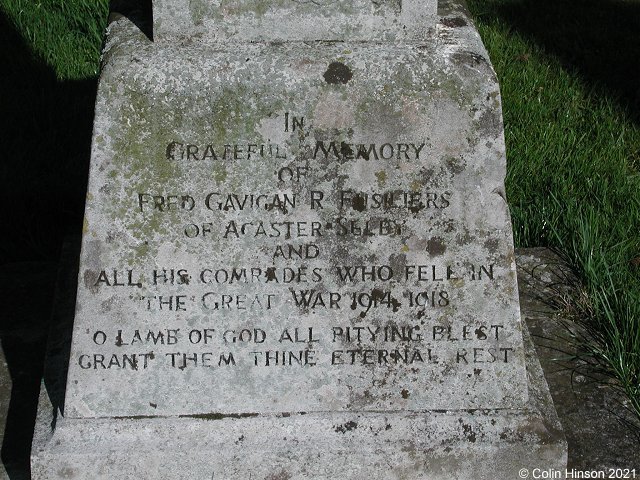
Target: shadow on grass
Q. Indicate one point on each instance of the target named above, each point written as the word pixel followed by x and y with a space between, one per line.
pixel 27 286
pixel 46 133
pixel 598 39
pixel 46 129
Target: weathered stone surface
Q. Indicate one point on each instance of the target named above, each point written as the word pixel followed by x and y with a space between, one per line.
pixel 214 170
pixel 436 445
pixel 268 20
pixel 302 249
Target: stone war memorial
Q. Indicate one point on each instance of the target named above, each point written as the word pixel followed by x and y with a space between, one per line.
pixel 297 258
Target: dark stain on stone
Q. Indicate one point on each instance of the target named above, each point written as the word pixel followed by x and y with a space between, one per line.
pixel 337 73
pixel 395 304
pixel 347 427
pixel 106 305
pixel 153 405
pixel 464 239
pixel 477 371
pixel 448 226
pixel 240 440
pixel 271 274
pixel 218 416
pixel 359 203
pixel 346 151
pixel 90 277
pixel 468 432
pixel 471 59
pixel 416 208
pixel 378 297
pixel 490 121
pixel 397 261
pixel 281 475
pixel 454 22
pixel 436 246
pixel 405 393
pixel 410 448
pixel 67 472
pixel 455 165
pixel 428 174
pixel 388 426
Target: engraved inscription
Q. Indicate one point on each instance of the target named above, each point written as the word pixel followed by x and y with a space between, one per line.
pixel 294 257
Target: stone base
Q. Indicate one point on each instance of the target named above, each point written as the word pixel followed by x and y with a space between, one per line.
pixel 476 444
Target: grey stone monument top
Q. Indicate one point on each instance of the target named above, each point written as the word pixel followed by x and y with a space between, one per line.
pixel 290 20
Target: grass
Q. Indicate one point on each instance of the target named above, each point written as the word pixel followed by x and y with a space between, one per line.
pixel 65 35
pixel 571 101
pixel 569 77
